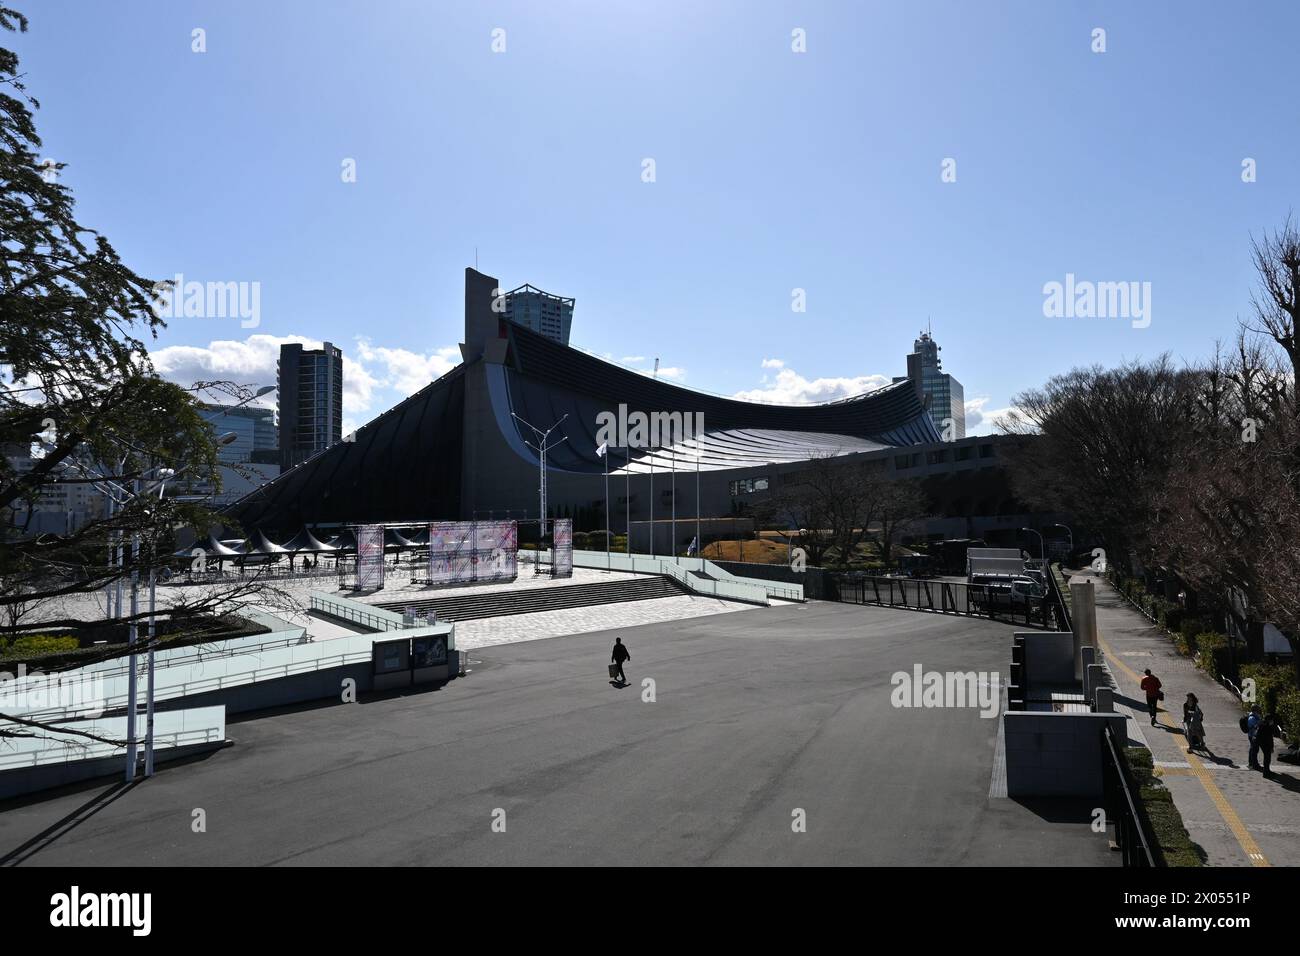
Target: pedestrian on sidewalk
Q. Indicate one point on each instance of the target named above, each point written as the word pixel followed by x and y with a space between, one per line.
pixel 1194 724
pixel 617 656
pixel 1151 687
pixel 1252 733
pixel 1264 738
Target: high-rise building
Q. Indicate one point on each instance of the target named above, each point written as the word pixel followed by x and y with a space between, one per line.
pixel 311 401
pixel 551 315
pixel 61 507
pixel 254 429
pixel 247 462
pixel 942 395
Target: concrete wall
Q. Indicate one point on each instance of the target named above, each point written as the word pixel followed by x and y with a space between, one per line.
pixel 1049 657
pixel 15 783
pixel 1055 755
pixel 817 584
pixel 317 685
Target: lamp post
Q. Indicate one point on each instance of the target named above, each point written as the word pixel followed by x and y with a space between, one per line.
pixel 542 446
pixel 1067 531
pixel 1042 551
pixel 118 497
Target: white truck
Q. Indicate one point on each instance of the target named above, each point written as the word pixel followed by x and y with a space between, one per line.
pixel 995 563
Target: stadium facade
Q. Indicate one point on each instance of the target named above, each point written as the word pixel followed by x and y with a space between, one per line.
pixel 459 450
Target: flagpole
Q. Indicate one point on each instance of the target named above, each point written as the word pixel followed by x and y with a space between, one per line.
pixel 699 539
pixel 627 496
pixel 652 502
pixel 672 528
pixel 608 559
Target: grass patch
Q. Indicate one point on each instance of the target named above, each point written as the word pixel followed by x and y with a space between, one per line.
pixel 1167 828
pixel 35 645
pixel 761 551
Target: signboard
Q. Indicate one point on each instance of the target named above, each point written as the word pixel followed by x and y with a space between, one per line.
pixel 562 551
pixel 461 552
pixel 370 557
pixel 429 651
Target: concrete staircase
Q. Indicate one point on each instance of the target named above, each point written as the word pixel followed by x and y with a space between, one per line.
pixel 499 603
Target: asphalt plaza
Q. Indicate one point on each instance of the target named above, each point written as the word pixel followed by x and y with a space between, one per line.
pixel 759 719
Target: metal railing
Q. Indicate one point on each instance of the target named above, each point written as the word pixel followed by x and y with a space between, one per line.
pixel 1058 597
pixel 1124 806
pixel 947 597
pixel 367 615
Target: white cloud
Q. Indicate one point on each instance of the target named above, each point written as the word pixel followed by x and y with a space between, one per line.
pixel 791 388
pixel 405 371
pixel 374 377
pixel 978 415
pixel 669 372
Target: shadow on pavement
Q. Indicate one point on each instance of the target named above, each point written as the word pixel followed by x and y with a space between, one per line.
pixel 1061 809
pixel 69 823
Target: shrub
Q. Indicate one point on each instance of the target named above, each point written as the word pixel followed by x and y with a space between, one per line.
pixel 1205 645
pixel 1276 691
pixel 34 645
pixel 1167 828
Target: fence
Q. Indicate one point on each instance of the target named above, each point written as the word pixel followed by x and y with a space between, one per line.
pixel 946 597
pixel 1124 807
pixel 1057 596
pixel 696 574
pixel 356 612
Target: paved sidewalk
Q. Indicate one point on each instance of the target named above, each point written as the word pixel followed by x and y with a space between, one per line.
pixel 1237 815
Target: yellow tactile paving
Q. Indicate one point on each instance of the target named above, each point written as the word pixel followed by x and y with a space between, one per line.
pixel 1197 770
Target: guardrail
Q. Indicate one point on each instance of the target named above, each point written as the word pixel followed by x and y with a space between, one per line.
pixel 697 574
pixel 1058 596
pixel 1124 806
pixel 946 597
pixel 355 612
pixel 176 728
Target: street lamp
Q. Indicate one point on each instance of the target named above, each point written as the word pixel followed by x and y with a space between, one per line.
pixel 541 448
pixel 1042 550
pixel 1067 531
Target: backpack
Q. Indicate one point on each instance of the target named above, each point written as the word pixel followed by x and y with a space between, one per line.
pixel 1244 723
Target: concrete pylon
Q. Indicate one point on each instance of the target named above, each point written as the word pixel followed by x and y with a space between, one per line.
pixel 1083 617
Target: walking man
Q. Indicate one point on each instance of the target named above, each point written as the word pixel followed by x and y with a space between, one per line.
pixel 1151 687
pixel 617 657
pixel 1264 736
pixel 1194 724
pixel 1253 722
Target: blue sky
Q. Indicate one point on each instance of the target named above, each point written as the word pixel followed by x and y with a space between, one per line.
pixel 774 170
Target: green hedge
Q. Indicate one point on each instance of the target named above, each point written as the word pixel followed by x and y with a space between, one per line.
pixel 34 645
pixel 1166 822
pixel 1207 644
pixel 1275 691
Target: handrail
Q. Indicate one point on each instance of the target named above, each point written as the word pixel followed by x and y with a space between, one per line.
pixel 1060 597
pixel 1132 829
pixel 968 600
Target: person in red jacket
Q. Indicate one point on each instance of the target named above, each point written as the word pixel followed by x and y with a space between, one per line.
pixel 1151 687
